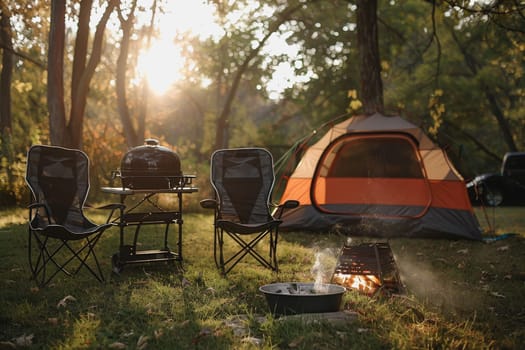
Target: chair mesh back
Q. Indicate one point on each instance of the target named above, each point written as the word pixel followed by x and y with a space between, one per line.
pixel 59 178
pixel 243 180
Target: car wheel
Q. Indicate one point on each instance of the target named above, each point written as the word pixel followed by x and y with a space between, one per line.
pixel 493 197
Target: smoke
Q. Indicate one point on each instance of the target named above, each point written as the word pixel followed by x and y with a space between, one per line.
pixel 367 226
pixel 323 267
pixel 427 281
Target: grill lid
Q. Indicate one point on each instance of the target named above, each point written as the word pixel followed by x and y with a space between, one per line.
pixel 150 166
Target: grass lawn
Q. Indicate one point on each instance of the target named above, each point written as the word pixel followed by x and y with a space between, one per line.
pixel 460 295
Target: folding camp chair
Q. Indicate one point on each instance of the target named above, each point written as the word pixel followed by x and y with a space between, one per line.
pixel 59 233
pixel 243 180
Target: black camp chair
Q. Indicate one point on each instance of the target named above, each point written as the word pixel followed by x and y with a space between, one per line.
pixel 243 180
pixel 59 233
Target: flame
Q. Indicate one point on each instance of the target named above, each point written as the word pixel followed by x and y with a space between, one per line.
pixel 367 284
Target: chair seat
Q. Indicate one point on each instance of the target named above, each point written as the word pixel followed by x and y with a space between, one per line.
pixel 69 232
pixel 247 228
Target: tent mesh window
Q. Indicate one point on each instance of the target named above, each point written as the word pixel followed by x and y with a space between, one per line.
pixel 368 268
pixel 387 157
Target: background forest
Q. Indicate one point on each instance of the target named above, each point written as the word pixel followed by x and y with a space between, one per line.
pixel 267 73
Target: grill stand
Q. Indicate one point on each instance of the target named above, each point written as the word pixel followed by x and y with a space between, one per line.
pixel 372 265
pixel 134 217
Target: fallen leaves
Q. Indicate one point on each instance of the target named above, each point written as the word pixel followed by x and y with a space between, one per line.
pixel 204 332
pixel 7 345
pixel 296 342
pixel 185 282
pixel 117 345
pixel 21 341
pixel 253 341
pixel 64 301
pixel 497 295
pixel 158 333
pixel 142 343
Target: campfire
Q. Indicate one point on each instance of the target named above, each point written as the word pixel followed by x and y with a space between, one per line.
pixel 367 268
pixel 367 284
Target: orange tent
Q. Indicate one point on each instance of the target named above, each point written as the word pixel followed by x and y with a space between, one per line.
pixel 378 175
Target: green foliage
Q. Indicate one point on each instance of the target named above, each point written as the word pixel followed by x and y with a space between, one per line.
pixel 12 173
pixel 473 58
pixel 457 53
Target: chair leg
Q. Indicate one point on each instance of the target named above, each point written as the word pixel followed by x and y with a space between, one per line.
pixel 89 245
pixel 273 249
pixel 218 243
pixel 46 254
pixel 249 248
pixel 32 266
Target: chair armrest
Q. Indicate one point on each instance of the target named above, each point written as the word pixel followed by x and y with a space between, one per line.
pixel 113 207
pixel 36 206
pixel 208 203
pixel 289 204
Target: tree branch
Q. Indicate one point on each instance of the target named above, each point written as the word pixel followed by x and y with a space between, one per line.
pixel 23 56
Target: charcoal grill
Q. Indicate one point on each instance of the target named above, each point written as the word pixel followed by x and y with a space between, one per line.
pixel 151 166
pixel 368 268
pixel 146 172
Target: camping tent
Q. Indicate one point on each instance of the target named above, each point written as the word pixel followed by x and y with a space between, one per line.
pixel 378 175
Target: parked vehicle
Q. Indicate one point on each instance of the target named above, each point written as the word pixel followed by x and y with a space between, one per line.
pixel 504 188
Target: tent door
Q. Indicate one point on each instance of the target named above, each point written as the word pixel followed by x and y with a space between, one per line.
pixel 371 175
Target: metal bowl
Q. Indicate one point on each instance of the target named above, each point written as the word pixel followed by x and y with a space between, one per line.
pixel 298 298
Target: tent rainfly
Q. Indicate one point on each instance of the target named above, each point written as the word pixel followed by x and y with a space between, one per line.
pixel 379 176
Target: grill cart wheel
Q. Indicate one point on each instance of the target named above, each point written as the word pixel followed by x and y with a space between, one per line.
pixel 117 266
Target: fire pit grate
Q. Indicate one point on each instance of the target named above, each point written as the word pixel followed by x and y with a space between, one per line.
pixel 369 268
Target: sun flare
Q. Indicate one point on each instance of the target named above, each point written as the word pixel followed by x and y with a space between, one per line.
pixel 161 65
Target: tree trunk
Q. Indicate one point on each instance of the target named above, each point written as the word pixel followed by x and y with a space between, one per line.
pixel 5 92
pixel 121 81
pixel 7 71
pixel 499 114
pixel 495 107
pixel 80 94
pixel 369 60
pixel 64 132
pixel 55 74
pixel 81 44
pixel 133 132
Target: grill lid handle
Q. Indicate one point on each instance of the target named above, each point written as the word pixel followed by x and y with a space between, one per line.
pixel 151 142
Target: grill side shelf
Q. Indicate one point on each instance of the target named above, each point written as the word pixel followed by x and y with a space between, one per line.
pixel 151 217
